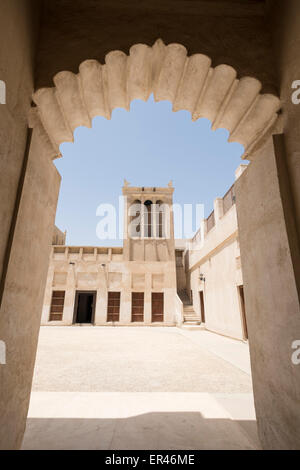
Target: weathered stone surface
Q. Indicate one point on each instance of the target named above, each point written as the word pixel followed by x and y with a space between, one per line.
pixel 189 83
pixel 21 306
pixel 230 32
pixel 18 32
pixel 273 314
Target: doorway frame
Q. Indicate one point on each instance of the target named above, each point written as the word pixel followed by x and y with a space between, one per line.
pixel 77 293
pixel 242 306
pixel 202 305
pixel 163 307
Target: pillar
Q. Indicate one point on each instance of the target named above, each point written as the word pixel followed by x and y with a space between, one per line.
pixel 285 28
pixel 68 313
pixel 21 308
pixel 125 307
pixel 148 299
pixel 101 301
pixel 218 209
pixel 272 303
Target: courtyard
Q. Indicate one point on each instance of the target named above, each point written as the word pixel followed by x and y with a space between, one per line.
pixel 140 388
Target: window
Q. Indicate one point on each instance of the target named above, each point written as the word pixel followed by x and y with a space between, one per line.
pixel 134 229
pixel 57 305
pixel 137 306
pixel 162 219
pixel 113 306
pixel 202 306
pixel 179 258
pixel 148 219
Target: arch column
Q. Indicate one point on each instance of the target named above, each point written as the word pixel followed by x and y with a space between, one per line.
pixel 22 301
pixel 272 303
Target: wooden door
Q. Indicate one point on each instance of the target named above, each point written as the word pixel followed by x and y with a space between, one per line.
pixel 243 311
pixel 202 307
pixel 157 306
pixel 113 306
pixel 57 305
pixel 137 306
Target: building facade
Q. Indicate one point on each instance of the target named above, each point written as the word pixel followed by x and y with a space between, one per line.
pixel 133 284
pixel 259 40
pixel 153 279
pixel 213 270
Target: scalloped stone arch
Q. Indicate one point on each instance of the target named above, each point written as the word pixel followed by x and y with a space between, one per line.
pixel 189 83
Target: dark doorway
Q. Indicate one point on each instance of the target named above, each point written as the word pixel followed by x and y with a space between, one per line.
pixel 202 307
pixel 84 311
pixel 243 311
pixel 157 306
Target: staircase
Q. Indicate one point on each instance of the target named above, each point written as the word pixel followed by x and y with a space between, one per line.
pixel 190 317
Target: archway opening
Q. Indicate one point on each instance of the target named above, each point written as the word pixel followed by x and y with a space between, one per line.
pixel 222 98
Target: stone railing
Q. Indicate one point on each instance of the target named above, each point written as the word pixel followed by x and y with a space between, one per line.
pixel 228 199
pixel 86 253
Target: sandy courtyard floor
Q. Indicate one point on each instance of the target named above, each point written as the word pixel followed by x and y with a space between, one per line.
pixel 132 359
pixel 140 388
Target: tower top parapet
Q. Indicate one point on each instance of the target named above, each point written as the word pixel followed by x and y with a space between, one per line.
pixel 127 189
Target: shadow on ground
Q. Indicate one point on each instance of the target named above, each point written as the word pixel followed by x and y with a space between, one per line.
pixel 150 431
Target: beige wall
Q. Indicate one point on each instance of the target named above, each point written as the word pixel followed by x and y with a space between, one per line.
pixel 180 270
pixel 273 313
pixel 220 289
pixel 87 273
pixel 58 237
pixel 232 35
pixel 285 23
pixel 21 306
pixel 216 256
pixel 274 317
pixel 18 33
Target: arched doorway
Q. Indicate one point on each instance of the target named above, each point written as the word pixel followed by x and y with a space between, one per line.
pixel 236 105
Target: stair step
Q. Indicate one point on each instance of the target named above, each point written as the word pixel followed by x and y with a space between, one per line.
pixel 192 327
pixel 192 321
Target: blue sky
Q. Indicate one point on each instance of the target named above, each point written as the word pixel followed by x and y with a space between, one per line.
pixel 148 146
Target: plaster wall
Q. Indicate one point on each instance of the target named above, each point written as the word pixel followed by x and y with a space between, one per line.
pixel 22 300
pixel 18 33
pixel 284 18
pixel 180 271
pixel 217 258
pixel 58 237
pixel 88 273
pixel 230 32
pixel 272 304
